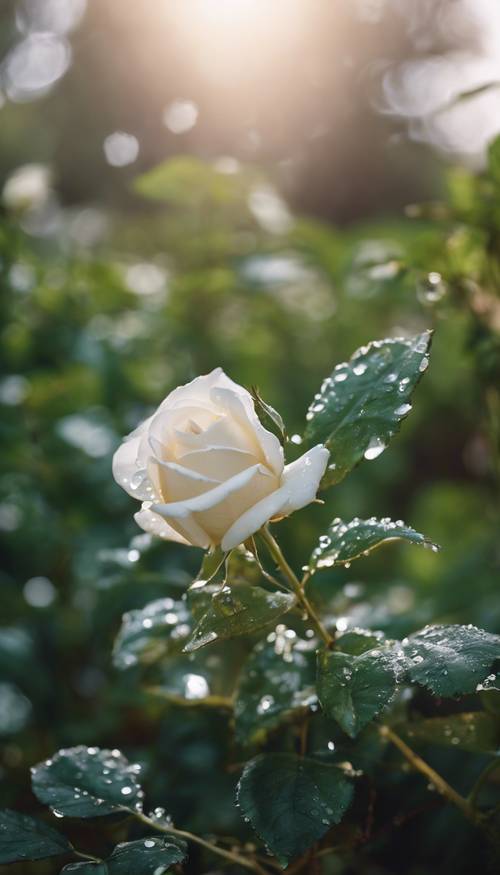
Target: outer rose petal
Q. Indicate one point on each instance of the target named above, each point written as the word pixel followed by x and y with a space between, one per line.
pixel 299 486
pixel 155 525
pixel 128 469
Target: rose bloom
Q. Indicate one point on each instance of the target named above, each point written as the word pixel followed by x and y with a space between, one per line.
pixel 207 471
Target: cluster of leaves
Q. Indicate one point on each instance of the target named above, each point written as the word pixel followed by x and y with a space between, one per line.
pixel 291 799
pixel 221 677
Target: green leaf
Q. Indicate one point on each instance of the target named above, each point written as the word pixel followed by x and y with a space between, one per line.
pixel 276 682
pixel 354 689
pixel 450 660
pixel 150 633
pixel 344 542
pixel 357 641
pixel 360 406
pixel 475 731
pixel 292 801
pixel 148 856
pixel 26 838
pixel 269 413
pixel 238 565
pixel 87 782
pixel 238 610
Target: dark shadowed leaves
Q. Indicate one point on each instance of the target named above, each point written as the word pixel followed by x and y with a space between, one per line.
pixel 475 731
pixel 149 633
pixel 291 801
pixel 277 681
pixel 27 838
pixel 360 406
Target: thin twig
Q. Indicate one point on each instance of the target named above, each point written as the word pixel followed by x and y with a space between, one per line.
pixel 435 779
pixel 252 865
pixel 276 552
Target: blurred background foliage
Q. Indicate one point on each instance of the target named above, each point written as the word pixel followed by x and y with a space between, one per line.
pixel 236 245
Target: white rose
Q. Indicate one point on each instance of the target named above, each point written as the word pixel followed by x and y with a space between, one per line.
pixel 207 471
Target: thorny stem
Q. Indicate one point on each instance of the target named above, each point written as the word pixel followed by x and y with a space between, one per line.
pixel 491 767
pixel 435 779
pixel 276 552
pixel 252 865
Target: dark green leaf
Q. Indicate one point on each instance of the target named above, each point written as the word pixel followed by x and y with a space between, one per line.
pixel 353 689
pixel 148 856
pixel 292 801
pixel 26 838
pixel 149 633
pixel 357 641
pixel 270 413
pixel 87 782
pixel 238 610
pixel 277 681
pixel 451 660
pixel 360 406
pixel 475 731
pixel 344 542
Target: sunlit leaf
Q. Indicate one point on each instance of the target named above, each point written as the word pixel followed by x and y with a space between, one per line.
pixel 87 782
pixel 360 406
pixel 238 610
pixel 344 542
pixel 292 801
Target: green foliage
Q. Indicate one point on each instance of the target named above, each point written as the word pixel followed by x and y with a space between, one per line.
pixel 344 542
pixel 88 350
pixel 276 683
pixel 291 801
pixel 354 689
pixel 148 856
pixel 359 407
pixel 238 610
pixel 151 632
pixel 26 838
pixel 87 782
pixel 451 660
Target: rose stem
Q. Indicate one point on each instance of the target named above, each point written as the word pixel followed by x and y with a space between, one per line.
pixel 190 837
pixel 276 552
pixel 435 779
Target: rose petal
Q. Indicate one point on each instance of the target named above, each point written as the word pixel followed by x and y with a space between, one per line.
pixel 220 463
pixel 129 465
pixel 240 406
pixel 298 488
pixel 217 509
pixel 176 483
pixel 156 525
